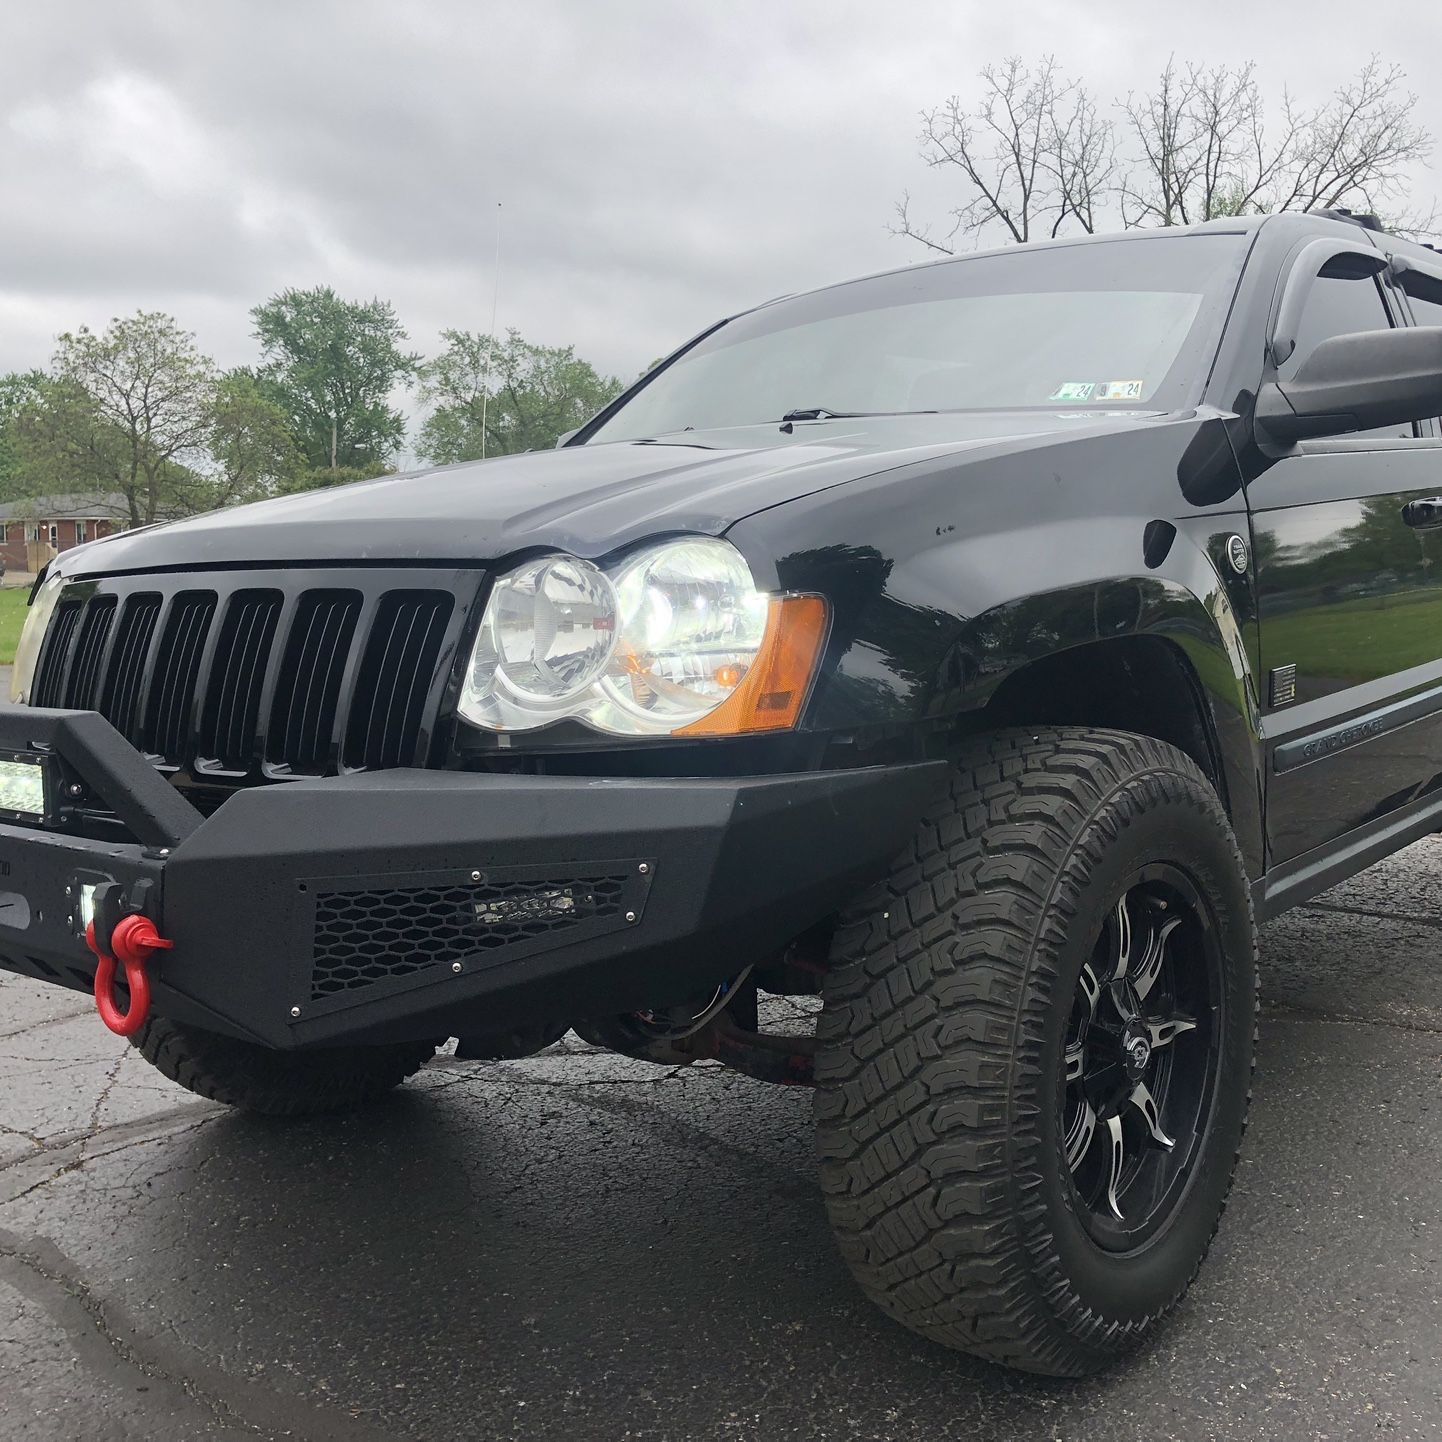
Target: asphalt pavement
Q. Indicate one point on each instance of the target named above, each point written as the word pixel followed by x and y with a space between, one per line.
pixel 577 1246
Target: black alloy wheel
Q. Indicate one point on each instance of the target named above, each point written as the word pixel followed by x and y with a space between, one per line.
pixel 1139 1068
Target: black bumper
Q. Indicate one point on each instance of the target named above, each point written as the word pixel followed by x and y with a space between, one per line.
pixel 410 903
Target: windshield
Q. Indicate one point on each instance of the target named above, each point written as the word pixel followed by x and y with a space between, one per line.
pixel 1098 326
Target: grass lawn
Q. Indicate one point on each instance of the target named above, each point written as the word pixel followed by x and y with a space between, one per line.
pixel 12 617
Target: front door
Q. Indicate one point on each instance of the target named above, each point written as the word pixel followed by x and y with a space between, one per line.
pixel 1348 559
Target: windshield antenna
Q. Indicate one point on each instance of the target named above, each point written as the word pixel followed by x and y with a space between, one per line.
pixel 491 336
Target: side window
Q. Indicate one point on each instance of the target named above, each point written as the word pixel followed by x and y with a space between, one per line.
pixel 1426 310
pixel 1337 307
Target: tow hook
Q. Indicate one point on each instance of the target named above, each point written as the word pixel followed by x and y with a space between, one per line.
pixel 133 941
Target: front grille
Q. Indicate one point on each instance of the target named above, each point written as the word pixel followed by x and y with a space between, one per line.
pixel 366 937
pixel 254 675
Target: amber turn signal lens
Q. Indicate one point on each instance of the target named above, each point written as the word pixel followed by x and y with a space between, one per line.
pixel 769 696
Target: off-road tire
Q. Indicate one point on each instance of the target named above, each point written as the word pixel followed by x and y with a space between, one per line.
pixel 941 1036
pixel 277 1083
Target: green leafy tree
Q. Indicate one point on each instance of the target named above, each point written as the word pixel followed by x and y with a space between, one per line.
pixel 513 396
pixel 251 452
pixel 125 412
pixel 331 366
pixel 17 390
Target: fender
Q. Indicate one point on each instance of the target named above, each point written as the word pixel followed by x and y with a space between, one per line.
pixel 977 567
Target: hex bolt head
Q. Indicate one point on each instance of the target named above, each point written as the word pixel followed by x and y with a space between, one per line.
pixel 295 1011
pixel 75 789
pixel 455 966
pixel 630 916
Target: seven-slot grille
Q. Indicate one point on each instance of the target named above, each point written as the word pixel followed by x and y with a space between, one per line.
pixel 228 674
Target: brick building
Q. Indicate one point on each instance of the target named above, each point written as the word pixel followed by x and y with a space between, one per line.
pixel 35 530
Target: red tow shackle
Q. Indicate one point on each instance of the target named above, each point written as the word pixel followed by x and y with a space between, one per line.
pixel 132 942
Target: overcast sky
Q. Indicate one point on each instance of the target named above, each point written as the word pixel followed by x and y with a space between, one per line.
pixel 659 162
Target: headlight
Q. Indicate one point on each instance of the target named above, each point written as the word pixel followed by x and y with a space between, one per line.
pixel 32 637
pixel 674 638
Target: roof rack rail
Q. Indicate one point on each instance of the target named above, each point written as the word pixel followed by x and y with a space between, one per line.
pixel 1364 218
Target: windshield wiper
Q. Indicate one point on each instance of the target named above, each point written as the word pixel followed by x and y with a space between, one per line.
pixel 824 413
pixel 821 413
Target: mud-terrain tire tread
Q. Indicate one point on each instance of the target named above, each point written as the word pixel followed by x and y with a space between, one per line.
pixel 941 977
pixel 277 1083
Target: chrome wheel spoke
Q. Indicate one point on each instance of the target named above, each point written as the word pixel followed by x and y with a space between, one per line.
pixel 1144 977
pixel 1117 1160
pixel 1075 1059
pixel 1123 923
pixel 1079 1134
pixel 1142 1099
pixel 1166 1031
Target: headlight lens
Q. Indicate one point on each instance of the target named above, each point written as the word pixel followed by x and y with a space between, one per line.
pixel 548 633
pixel 670 636
pixel 32 637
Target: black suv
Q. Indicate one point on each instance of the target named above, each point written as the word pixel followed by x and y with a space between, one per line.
pixel 984 646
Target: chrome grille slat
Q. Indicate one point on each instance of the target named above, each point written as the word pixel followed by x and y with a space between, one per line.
pixel 120 700
pixel 55 660
pixel 83 675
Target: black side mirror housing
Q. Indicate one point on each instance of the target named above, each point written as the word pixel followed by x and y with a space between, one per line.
pixel 1356 383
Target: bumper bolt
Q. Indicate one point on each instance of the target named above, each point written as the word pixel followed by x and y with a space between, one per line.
pixel 475 876
pixel 644 869
pixel 630 916
pixel 455 966
pixel 295 1011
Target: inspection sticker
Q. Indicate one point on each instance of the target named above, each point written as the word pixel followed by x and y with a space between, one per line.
pixel 1073 391
pixel 1120 391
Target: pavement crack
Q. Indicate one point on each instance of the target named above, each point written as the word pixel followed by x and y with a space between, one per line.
pixel 103 1096
pixel 41 1024
pixel 183 1389
pixel 1281 1010
pixel 1411 918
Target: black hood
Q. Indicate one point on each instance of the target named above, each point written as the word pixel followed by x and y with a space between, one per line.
pixel 588 500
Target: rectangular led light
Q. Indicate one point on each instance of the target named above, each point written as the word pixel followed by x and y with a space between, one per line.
pixel 22 787
pixel 87 904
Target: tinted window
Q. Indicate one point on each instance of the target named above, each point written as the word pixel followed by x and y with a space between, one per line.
pixel 1129 323
pixel 1425 295
pixel 1340 307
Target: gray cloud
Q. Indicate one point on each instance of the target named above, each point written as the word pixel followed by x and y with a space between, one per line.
pixel 659 163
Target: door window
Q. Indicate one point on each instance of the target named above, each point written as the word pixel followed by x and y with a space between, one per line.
pixel 1336 306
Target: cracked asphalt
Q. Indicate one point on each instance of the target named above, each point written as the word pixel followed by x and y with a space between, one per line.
pixel 580 1246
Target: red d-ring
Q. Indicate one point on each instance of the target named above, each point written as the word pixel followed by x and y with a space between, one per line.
pixel 132 941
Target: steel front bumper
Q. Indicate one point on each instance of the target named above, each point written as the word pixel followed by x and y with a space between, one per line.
pixel 412 903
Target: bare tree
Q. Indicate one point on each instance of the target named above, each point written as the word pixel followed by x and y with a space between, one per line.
pixel 1033 155
pixel 1206 147
pixel 1037 157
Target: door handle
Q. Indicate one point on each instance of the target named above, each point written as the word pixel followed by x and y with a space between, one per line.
pixel 1423 514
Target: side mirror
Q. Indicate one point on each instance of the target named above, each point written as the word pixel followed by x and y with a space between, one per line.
pixel 1356 383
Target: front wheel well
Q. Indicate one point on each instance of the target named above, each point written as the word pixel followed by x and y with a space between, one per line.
pixel 1142 684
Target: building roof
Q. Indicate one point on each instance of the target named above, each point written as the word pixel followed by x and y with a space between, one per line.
pixel 75 507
